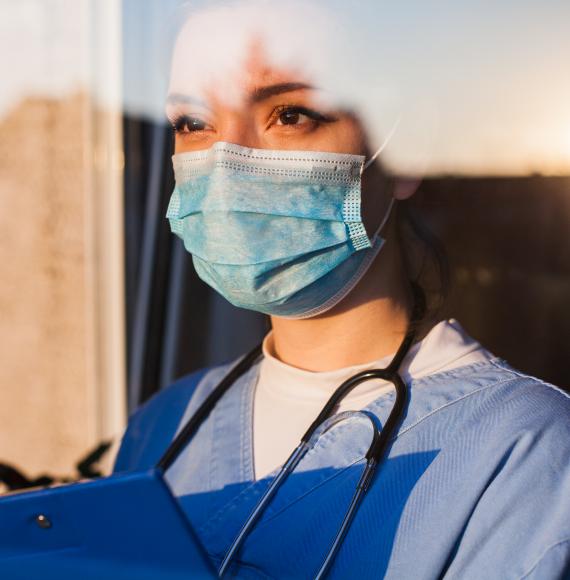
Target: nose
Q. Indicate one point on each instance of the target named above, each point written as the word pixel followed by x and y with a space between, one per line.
pixel 240 131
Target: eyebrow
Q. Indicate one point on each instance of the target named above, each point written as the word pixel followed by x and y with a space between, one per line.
pixel 256 96
pixel 263 93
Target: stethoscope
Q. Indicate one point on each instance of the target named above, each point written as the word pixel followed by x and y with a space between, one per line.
pixel 323 423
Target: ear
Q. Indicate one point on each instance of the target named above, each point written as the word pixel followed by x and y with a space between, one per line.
pixel 406 187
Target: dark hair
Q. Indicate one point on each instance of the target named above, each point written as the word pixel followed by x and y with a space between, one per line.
pixel 424 256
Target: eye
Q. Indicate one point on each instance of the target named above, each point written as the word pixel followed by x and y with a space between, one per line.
pixel 187 124
pixel 288 115
pixel 292 117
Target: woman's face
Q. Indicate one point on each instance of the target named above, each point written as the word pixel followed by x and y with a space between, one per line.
pixel 265 106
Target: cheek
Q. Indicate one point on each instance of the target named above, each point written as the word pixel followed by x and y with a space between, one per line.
pixel 345 136
pixel 337 137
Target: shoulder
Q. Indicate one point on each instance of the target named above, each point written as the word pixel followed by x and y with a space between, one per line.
pixel 496 411
pixel 522 434
pixel 502 438
pixel 529 398
pixel 519 425
pixel 153 425
pixel 529 410
pixel 535 415
pixel 495 388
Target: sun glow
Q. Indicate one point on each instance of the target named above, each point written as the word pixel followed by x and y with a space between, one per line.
pixel 566 154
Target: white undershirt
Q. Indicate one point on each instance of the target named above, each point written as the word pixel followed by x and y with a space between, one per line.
pixel 288 399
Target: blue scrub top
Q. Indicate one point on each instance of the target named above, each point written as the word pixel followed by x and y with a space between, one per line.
pixel 476 484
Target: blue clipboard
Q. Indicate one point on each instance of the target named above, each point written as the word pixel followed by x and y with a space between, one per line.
pixel 123 527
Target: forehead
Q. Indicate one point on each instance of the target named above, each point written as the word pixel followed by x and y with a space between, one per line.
pixel 228 52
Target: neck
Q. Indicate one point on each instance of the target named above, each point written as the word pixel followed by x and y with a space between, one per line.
pixel 369 324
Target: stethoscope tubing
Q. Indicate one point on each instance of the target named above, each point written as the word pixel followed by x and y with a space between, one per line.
pixel 361 488
pixel 188 431
pixel 265 500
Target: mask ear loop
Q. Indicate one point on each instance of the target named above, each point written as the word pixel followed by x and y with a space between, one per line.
pixel 382 147
pixel 366 165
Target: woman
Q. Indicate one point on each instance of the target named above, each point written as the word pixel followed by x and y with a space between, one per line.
pixel 285 210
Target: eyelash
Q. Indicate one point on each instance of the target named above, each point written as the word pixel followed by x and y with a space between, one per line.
pixel 179 123
pixel 182 121
pixel 296 109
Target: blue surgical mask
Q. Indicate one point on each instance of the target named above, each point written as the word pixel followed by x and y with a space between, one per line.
pixel 278 232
